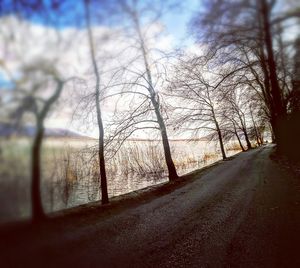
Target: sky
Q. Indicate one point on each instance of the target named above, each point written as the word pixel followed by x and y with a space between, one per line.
pixel 36 38
pixel 70 13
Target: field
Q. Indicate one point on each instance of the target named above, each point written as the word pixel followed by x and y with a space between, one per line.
pixel 70 174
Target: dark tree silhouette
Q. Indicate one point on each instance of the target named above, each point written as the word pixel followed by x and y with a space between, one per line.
pixel 227 26
pixel 101 159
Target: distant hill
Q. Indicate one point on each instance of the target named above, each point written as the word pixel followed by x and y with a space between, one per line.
pixel 61 132
pixel 7 130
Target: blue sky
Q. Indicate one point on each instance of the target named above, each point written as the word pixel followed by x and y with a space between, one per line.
pixel 177 22
pixel 4 83
pixel 70 13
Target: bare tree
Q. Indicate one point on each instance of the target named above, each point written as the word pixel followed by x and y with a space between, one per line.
pixel 146 110
pixel 197 101
pixel 37 82
pixel 231 128
pixel 234 110
pixel 226 26
pixel 101 159
pixel 36 78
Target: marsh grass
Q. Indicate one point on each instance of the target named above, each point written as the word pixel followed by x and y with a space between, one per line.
pixel 70 173
pixel 233 147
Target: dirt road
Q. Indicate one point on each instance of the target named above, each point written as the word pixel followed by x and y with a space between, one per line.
pixel 243 212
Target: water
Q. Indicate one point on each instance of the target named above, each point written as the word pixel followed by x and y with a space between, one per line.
pixel 70 174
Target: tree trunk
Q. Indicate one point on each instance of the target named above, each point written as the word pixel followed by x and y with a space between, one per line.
pixel 101 159
pixel 220 138
pixel 102 169
pixel 278 110
pixel 272 133
pixel 292 126
pixel 162 127
pixel 249 146
pixel 244 129
pixel 37 206
pixel 255 129
pixel 221 145
pixel 167 151
pixel 238 138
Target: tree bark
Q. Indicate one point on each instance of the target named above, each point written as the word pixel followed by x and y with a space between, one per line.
pixel 167 151
pixel 255 129
pixel 37 207
pixel 219 136
pixel 244 129
pixel 238 138
pixel 278 110
pixel 101 159
pixel 221 143
pixel 102 169
pixel 249 146
pixel 163 131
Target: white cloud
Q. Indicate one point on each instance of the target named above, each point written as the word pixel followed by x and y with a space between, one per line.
pixel 23 43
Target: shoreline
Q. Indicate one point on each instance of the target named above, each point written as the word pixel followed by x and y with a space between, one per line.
pixel 118 203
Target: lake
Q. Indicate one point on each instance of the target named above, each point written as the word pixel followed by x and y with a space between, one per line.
pixel 70 174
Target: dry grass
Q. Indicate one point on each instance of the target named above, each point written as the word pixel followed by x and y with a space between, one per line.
pixel 209 156
pixel 233 147
pixel 70 172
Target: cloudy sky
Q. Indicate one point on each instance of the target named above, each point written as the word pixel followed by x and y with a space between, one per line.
pixel 59 38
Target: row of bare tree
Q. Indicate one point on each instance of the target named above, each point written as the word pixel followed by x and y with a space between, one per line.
pixel 241 82
pixel 257 40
